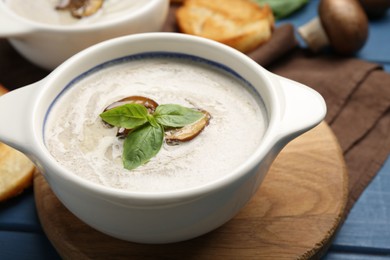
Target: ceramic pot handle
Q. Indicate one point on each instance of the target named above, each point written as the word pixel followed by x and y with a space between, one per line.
pixel 16 116
pixel 304 107
pixel 10 25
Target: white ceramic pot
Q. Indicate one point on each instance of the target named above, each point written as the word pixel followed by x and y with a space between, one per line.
pixel 48 45
pixel 292 109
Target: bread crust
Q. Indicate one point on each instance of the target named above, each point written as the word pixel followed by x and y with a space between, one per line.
pixel 16 170
pixel 241 24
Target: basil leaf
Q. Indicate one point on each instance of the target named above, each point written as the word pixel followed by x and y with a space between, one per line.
pixel 141 145
pixel 282 8
pixel 128 116
pixel 152 121
pixel 173 115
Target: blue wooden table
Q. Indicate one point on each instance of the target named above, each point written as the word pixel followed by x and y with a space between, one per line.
pixel 364 235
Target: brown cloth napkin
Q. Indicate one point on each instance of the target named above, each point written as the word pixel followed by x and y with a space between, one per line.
pixel 357 94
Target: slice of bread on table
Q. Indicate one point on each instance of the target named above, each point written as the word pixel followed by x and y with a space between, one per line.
pixel 16 170
pixel 241 24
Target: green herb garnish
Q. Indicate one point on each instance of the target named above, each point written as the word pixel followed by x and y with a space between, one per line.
pixel 146 137
pixel 283 8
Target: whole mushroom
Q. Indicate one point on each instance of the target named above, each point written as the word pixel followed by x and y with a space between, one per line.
pixel 342 24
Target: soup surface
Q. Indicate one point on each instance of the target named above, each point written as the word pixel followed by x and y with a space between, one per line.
pixel 77 138
pixel 43 11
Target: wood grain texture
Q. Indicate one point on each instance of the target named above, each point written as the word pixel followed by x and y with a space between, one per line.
pixel 294 215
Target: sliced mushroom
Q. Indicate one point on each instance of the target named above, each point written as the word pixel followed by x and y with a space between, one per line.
pixel 90 8
pixel 80 8
pixel 63 4
pixel 150 104
pixel 188 132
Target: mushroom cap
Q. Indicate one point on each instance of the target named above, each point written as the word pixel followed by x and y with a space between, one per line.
pixel 345 24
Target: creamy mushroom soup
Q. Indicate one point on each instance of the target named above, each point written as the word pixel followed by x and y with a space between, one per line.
pixel 44 11
pixel 77 138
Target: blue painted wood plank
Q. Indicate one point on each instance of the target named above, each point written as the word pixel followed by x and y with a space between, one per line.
pixel 21 245
pixel 19 213
pixel 377 46
pixel 354 256
pixel 368 224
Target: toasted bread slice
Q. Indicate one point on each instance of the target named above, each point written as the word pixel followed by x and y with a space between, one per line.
pixel 16 170
pixel 241 24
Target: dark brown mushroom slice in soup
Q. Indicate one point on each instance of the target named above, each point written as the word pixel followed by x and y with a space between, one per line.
pixel 80 8
pixel 188 132
pixel 150 105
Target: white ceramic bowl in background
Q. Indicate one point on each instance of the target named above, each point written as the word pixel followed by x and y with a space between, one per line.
pixel 49 45
pixel 292 109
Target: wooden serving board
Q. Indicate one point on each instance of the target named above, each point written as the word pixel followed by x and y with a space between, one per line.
pixel 294 215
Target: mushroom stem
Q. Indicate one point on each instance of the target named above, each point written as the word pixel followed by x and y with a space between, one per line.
pixel 314 35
